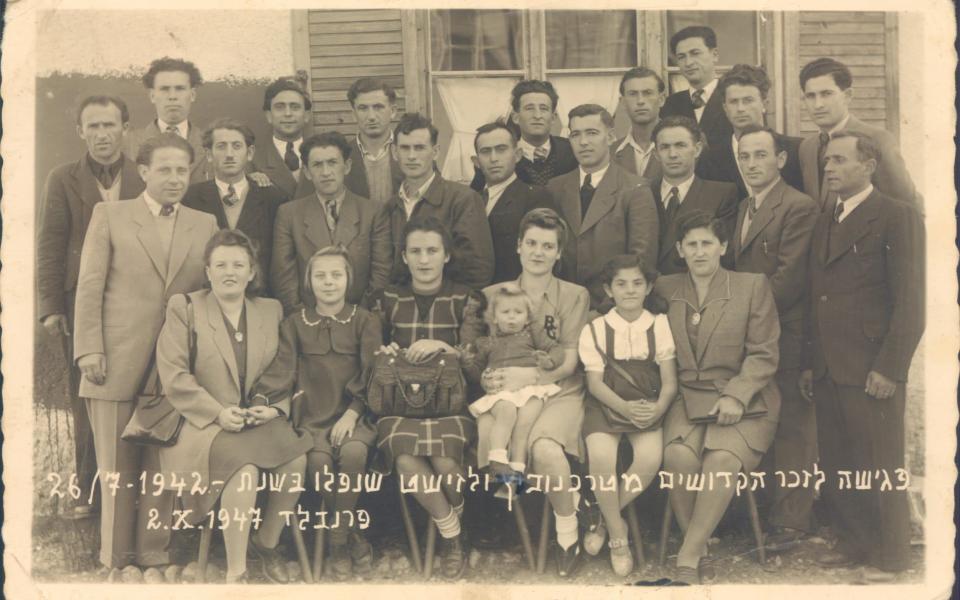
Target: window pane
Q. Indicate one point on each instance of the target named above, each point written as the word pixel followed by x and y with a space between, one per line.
pixel 736 33
pixel 475 40
pixel 582 39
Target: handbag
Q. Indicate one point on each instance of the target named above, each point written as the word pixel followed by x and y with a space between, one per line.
pixel 624 385
pixel 700 396
pixel 399 388
pixel 155 422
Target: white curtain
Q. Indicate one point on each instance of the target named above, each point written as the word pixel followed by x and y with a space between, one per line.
pixel 575 90
pixel 469 103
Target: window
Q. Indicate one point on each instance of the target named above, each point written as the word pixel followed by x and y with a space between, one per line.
pixel 585 39
pixel 738 38
pixel 475 40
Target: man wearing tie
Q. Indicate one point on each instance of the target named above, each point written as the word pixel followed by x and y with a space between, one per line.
pixel 136 255
pixel 642 94
pixel 287 108
pixel 374 173
pixel 774 226
pixel 172 86
pixel 866 306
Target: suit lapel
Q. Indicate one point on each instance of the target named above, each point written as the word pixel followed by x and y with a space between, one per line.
pixel 764 215
pixel 221 339
pixel 712 112
pixel 86 185
pixel 130 182
pixel 569 199
pixel 277 170
pixel 210 196
pixel 181 242
pixel 854 227
pixel 148 237
pixel 508 197
pixel 255 345
pixel 677 314
pixel 716 300
pixel 252 210
pixel 348 222
pixel 653 170
pixel 603 197
pixel 315 223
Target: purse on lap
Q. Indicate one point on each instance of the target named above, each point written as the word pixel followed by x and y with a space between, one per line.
pixel 399 388
pixel 700 396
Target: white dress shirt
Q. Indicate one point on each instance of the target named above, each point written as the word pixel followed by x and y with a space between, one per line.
pixel 851 203
pixel 758 199
pixel 527 149
pixel 233 212
pixel 640 155
pixel 155 206
pixel 281 146
pixel 410 203
pixel 707 92
pixel 682 189
pixel 183 127
pixel 595 178
pixel 495 191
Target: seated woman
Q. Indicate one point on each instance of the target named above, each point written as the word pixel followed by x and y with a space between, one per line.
pixel 326 348
pixel 726 330
pixel 424 318
pixel 222 438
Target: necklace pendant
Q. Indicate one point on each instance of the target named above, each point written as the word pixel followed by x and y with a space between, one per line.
pixel 695 318
pixel 238 336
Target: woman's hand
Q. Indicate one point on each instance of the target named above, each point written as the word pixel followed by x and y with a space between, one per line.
pixel 343 428
pixel 729 410
pixel 231 418
pixel 423 350
pixel 391 349
pixel 544 361
pixel 645 413
pixel 509 378
pixel 258 415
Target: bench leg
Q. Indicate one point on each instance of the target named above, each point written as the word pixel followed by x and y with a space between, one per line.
pixel 544 535
pixel 319 544
pixel 301 552
pixel 755 524
pixel 411 530
pixel 206 536
pixel 521 519
pixel 430 550
pixel 665 531
pixel 634 524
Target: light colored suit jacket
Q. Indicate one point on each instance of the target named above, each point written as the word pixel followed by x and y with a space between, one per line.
pixel 124 285
pixel 199 168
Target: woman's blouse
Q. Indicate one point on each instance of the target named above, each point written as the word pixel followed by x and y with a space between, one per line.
pixel 629 341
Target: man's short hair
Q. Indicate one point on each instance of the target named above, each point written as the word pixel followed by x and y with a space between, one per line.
pixel 371 84
pixel 708 35
pixel 494 126
pixel 867 147
pixel 746 75
pixel 586 110
pixel 232 125
pixel 327 139
pixel 166 63
pixel 677 121
pixel 411 122
pixel 642 73
pixel 779 143
pixel 827 66
pixel 164 140
pixel 104 101
pixel 285 84
pixel 533 86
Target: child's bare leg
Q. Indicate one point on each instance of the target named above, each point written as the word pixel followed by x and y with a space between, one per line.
pixel 526 417
pixel 505 416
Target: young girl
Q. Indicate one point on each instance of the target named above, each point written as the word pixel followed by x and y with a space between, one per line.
pixel 324 352
pixel 630 349
pixel 511 343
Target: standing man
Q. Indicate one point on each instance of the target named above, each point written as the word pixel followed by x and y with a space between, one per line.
pixel 608 210
pixel 505 197
pixel 331 215
pixel 375 174
pixel 236 201
pixel 695 50
pixel 425 193
pixel 172 85
pixel 867 315
pixel 681 191
pixel 136 255
pixel 827 91
pixel 774 226
pixel 642 94
pixel 287 108
pixel 103 173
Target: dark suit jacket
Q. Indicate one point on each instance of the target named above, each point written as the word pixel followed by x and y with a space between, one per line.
pixel 622 219
pixel 778 245
pixel 256 217
pixel 867 296
pixel 356 179
pixel 66 207
pixel 517 200
pixel 199 168
pixel 716 198
pixel 625 157
pixel 714 124
pixel 559 162
pixel 462 211
pixel 301 230
pixel 268 161
pixel 722 164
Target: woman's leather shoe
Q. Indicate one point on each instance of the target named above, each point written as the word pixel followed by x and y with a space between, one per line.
pixel 569 560
pixel 453 557
pixel 272 563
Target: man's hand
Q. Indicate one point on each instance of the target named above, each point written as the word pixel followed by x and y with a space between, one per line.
pixel 94 367
pixel 879 386
pixel 260 179
pixel 805 383
pixel 56 324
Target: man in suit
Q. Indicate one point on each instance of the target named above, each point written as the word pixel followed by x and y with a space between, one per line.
pixel 287 108
pixel 172 86
pixel 425 193
pixel 681 191
pixel 331 215
pixel 772 237
pixel 236 201
pixel 608 210
pixel 506 198
pixel 543 156
pixel 695 50
pixel 136 255
pixel 743 92
pixel 827 92
pixel 71 192
pixel 642 94
pixel 375 174
pixel 866 305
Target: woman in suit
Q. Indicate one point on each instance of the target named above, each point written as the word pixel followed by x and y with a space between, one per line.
pixel 223 439
pixel 726 330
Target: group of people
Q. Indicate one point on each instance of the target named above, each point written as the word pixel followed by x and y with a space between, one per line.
pixel 590 288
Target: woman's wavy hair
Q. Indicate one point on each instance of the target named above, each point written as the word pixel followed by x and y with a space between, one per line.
pixel 236 238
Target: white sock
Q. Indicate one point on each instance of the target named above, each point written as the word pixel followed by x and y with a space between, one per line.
pixel 519 467
pixel 449 526
pixel 499 455
pixel 567 533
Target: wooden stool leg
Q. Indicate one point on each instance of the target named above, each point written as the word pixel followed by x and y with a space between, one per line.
pixel 634 524
pixel 411 530
pixel 665 531
pixel 301 551
pixel 755 524
pixel 319 544
pixel 524 532
pixel 544 535
pixel 430 550
pixel 206 536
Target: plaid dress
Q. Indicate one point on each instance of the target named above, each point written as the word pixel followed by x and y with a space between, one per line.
pixel 405 324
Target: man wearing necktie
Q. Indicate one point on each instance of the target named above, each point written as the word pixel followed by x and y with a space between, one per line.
pixel 609 211
pixel 772 236
pixel 103 174
pixel 137 254
pixel 866 307
pixel 286 106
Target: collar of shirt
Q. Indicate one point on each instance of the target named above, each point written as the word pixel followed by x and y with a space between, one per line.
pixel 239 187
pixel 183 127
pixel 375 157
pixel 495 191
pixel 762 194
pixel 527 149
pixel 682 189
pixel 707 91
pixel 619 324
pixel 338 201
pixel 854 201
pixel 281 146
pixel 113 168
pixel 842 124
pixel 407 201
pixel 595 178
pixel 154 207
pixel 629 141
pixel 551 293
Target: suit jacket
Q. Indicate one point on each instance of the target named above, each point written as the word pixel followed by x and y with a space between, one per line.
pixel 560 161
pixel 256 217
pixel 714 124
pixel 716 198
pixel 890 178
pixel 516 201
pixel 463 212
pixel 622 219
pixel 199 168
pixel 124 286
pixel 778 245
pixel 356 179
pixel 866 299
pixel 301 229
pixel 625 157
pixel 66 207
pixel 722 164
pixel 268 161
